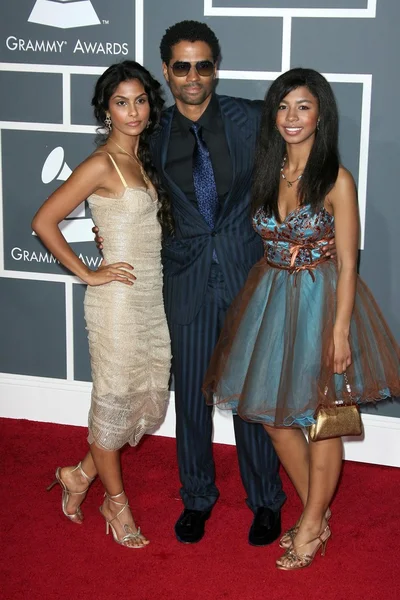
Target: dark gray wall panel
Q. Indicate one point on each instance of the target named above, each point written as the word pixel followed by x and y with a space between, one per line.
pixel 249 44
pixel 82 89
pixel 81 348
pixel 252 90
pixel 31 97
pixel 32 325
pixel 291 3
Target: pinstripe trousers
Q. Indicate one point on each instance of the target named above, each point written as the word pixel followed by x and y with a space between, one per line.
pixel 192 347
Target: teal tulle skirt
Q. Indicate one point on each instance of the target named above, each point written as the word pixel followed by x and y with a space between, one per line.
pixel 274 360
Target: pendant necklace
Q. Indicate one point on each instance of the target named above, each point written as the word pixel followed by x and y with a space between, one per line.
pixel 289 183
pixel 143 172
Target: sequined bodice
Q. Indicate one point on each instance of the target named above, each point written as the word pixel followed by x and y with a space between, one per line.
pixel 129 225
pixel 132 233
pixel 297 242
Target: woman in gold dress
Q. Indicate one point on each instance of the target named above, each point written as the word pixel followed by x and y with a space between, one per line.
pixel 128 335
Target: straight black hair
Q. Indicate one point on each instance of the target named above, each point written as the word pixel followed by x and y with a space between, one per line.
pixel 322 167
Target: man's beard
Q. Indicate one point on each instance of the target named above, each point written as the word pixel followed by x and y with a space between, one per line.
pixel 193 100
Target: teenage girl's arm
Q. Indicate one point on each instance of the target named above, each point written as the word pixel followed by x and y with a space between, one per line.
pixel 343 200
pixel 88 177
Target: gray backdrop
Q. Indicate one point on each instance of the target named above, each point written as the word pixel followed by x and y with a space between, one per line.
pixel 48 68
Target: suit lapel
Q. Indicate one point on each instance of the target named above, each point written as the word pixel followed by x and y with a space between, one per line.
pixel 178 197
pixel 239 131
pixel 240 135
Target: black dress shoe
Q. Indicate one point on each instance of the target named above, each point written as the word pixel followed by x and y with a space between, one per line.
pixel 189 528
pixel 266 527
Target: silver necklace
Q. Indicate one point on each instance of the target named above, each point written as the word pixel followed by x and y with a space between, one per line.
pixel 289 183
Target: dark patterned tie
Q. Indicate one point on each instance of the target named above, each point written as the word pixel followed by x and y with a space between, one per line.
pixel 204 181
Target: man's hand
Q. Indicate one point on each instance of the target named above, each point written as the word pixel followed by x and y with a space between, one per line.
pixel 99 240
pixel 328 250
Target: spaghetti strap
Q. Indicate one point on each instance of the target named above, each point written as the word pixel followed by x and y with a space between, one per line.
pixel 115 165
pixel 118 171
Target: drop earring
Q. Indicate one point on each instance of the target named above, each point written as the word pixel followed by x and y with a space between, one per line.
pixel 108 123
pixel 318 122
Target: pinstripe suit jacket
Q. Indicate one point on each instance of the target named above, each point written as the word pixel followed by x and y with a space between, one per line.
pixel 187 256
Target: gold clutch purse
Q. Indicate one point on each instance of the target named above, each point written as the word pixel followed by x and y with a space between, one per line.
pixel 341 419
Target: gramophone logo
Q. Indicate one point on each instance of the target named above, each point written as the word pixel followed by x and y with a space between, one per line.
pixel 75 228
pixel 64 14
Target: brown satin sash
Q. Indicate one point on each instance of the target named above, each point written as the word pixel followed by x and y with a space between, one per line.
pixel 294 250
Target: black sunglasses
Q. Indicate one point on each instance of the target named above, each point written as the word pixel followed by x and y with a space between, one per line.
pixel 204 68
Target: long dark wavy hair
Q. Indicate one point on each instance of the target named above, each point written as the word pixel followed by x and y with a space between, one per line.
pixel 322 166
pixel 104 89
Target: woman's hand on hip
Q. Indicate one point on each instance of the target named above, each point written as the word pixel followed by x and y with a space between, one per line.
pixel 120 271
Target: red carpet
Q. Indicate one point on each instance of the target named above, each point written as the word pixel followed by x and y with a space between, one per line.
pixel 43 556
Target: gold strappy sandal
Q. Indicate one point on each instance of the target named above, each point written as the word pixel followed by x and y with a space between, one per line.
pixel 135 536
pixel 288 537
pixel 76 517
pixel 293 560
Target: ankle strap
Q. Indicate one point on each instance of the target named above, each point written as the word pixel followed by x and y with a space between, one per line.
pixel 116 495
pixel 123 504
pixel 111 499
pixel 79 466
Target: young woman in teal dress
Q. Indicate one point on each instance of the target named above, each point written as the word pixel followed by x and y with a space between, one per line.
pixel 303 319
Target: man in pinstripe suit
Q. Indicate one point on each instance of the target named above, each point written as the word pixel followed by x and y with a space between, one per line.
pixel 204 268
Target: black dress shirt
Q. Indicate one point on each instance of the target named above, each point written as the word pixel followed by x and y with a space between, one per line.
pixel 179 165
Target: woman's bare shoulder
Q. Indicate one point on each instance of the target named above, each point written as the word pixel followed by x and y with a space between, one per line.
pixel 95 168
pixel 345 179
pixel 99 160
pixel 343 190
